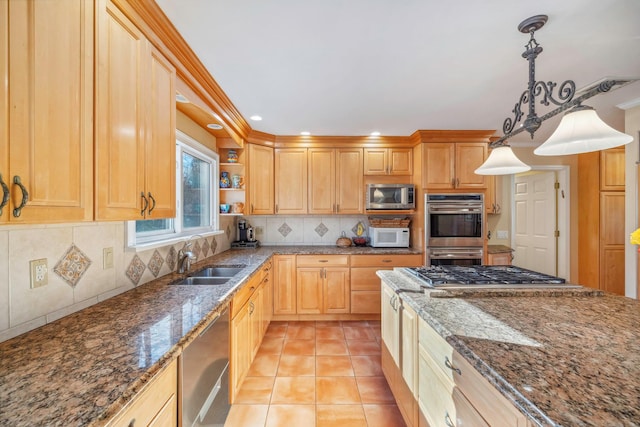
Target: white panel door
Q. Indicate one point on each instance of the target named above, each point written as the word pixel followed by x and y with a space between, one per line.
pixel 535 222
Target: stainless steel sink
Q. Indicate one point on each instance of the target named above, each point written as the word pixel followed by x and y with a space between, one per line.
pixel 203 281
pixel 221 271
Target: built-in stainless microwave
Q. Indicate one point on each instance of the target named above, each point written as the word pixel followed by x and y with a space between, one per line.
pixel 390 196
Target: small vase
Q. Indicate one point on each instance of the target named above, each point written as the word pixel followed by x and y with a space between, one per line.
pixel 225 182
pixel 232 156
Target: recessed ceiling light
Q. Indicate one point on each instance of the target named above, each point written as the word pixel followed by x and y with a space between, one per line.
pixel 256 118
pixel 375 133
pixel 181 98
pixel 305 133
pixel 214 126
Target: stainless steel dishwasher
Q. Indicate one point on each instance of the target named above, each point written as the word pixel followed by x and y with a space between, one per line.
pixel 204 371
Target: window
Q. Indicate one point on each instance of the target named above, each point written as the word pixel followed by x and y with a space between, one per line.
pixel 196 198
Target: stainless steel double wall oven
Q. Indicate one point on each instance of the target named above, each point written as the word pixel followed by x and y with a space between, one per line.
pixel 454 228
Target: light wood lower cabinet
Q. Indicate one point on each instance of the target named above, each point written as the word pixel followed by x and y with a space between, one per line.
pixel 365 284
pixel 323 284
pixel 284 286
pixel 452 393
pixel 250 316
pixel 501 258
pixel 156 405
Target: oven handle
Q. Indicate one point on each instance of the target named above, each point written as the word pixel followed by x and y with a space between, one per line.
pixel 454 210
pixel 457 255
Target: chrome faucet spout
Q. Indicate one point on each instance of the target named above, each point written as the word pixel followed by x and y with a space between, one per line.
pixel 184 260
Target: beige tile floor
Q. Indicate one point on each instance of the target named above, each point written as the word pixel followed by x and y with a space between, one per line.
pixel 323 374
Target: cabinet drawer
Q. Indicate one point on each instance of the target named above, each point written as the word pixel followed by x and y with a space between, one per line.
pixel 434 393
pixel 365 279
pixel 365 301
pixel 153 400
pixel 437 347
pixel 245 293
pixel 386 261
pixel 322 260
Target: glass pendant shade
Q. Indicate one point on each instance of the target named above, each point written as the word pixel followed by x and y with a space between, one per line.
pixel 581 131
pixel 502 161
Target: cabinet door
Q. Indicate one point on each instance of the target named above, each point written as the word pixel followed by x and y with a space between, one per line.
pixel 390 322
pixel 260 180
pixel 469 157
pixel 240 359
pixel 375 161
pixel 336 290
pixel 503 258
pixel 255 321
pixel 267 302
pixel 400 161
pixel 438 171
pixel 5 176
pixel 160 144
pixel 50 95
pixel 322 181
pixel 284 287
pixel 612 241
pixel 309 290
pixel 291 180
pixel 612 169
pixel 121 75
pixel 349 181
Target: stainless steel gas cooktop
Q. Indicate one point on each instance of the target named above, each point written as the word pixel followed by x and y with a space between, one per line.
pixel 485 276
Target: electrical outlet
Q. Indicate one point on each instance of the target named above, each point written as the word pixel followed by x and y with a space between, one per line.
pixel 107 258
pixel 39 272
pixel 258 231
pixel 503 234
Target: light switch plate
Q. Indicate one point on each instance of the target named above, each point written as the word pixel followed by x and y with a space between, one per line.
pixel 107 258
pixel 39 272
pixel 503 234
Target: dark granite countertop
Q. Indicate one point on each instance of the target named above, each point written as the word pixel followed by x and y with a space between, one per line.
pixel 498 249
pixel 82 369
pixel 566 360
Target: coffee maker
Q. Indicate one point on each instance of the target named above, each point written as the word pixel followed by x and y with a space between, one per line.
pixel 246 236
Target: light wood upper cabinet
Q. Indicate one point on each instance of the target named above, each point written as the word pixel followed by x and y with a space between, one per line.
pixel 335 181
pixel 449 166
pixel 46 104
pixel 291 181
pixel 260 180
pixel 135 121
pixel 612 169
pixel 388 161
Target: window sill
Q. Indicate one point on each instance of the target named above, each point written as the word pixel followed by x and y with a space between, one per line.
pixel 141 247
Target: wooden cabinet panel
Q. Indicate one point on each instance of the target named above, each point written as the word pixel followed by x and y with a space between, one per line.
pixel 388 161
pixel 240 358
pixel 322 180
pixel 386 261
pixel 135 123
pixel 155 405
pixel 322 260
pixel 390 323
pixel 612 169
pixel 375 161
pixel 349 181
pixel 612 270
pixel 503 258
pixel 260 181
pixel 612 241
pixel 400 161
pixel 365 302
pixel 291 181
pixel 309 290
pixel 336 290
pixel 466 414
pixel 469 157
pixel 449 165
pixel 409 345
pixel 284 289
pixel 47 98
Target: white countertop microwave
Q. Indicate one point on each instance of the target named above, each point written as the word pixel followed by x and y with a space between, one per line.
pixel 389 237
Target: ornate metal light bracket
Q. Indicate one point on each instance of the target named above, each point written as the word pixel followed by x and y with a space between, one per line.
pixel 564 99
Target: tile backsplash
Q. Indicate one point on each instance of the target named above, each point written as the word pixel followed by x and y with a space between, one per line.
pixel 76 274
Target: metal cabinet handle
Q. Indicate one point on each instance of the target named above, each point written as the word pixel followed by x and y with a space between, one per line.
pixel 323 260
pixel 387 260
pixel 447 420
pixel 145 204
pixel 25 196
pixel 153 206
pixel 251 307
pixel 337 208
pixel 5 194
pixel 132 423
pixel 276 208
pixel 457 182
pixel 251 207
pixel 448 364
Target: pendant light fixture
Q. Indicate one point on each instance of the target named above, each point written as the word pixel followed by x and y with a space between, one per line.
pixel 580 131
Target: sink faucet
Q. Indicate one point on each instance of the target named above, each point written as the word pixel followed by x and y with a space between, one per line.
pixel 184 258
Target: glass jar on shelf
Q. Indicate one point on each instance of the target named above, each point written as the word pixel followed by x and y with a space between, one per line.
pixel 232 156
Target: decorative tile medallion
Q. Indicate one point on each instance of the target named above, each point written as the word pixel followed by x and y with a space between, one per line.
pixel 135 269
pixel 72 266
pixel 172 258
pixel 155 263
pixel 214 246
pixel 197 250
pixel 321 229
pixel 205 248
pixel 284 229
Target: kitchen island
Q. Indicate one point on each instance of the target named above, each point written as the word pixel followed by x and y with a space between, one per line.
pixel 559 359
pixel 84 368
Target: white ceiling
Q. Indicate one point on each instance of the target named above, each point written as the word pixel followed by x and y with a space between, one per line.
pixel 338 67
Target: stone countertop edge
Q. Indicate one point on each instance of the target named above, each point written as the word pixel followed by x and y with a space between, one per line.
pixel 526 407
pixel 98 410
pixel 498 249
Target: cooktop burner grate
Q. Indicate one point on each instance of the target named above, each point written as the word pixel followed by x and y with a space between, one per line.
pixel 481 275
